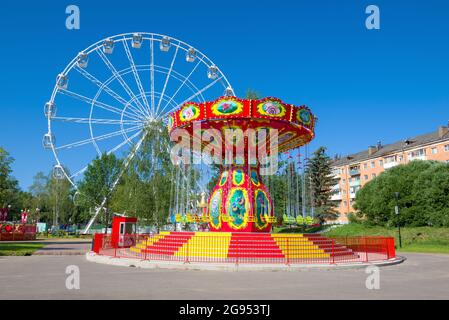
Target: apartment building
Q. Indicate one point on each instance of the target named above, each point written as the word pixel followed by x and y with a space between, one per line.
pixel 355 170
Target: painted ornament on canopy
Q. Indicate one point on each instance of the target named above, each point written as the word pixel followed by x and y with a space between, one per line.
pixel 189 112
pixel 224 177
pixel 255 178
pixel 238 208
pixel 227 107
pixel 262 206
pixel 271 108
pixel 304 116
pixel 215 209
pixel 238 177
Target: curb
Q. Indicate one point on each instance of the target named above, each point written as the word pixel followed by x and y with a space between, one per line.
pixel 230 267
pixel 60 253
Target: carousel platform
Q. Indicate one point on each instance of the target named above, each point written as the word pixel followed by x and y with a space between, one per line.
pixel 244 247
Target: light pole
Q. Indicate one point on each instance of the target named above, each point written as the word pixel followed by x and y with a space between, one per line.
pixel 396 210
pixel 37 214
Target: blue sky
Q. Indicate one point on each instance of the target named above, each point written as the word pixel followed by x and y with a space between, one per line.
pixel 364 85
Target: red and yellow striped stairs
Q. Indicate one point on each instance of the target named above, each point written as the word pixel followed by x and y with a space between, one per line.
pixel 251 246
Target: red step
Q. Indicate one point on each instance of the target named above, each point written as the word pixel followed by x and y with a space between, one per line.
pixel 258 255
pixel 254 250
pixel 260 246
pixel 170 243
pixel 329 246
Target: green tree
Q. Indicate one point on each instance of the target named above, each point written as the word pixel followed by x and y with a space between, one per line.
pixel 53 197
pixel 146 189
pixel 215 170
pixel 319 173
pixel 40 197
pixel 277 185
pixel 98 184
pixel 10 193
pixel 39 190
pixel 423 188
pixel 252 94
pixel 8 185
pixel 59 199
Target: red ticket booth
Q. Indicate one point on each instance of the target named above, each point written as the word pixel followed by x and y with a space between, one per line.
pixel 123 232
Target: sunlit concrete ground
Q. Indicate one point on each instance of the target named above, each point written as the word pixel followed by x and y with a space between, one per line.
pixel 422 276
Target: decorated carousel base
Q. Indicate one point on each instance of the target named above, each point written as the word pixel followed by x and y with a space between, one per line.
pixel 242 247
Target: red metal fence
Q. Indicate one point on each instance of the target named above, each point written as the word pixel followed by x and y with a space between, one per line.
pixel 370 248
pixel 313 249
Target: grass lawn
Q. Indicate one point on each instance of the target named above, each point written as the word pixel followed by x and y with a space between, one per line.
pixel 414 239
pixel 19 249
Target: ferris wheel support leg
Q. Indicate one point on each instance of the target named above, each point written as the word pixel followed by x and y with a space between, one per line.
pixel 92 220
pixel 127 162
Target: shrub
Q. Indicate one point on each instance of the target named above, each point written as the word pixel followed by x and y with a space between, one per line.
pixel 423 201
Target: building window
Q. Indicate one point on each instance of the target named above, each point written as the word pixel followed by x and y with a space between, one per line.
pixel 381 163
pixel 446 148
pixel 434 150
pixel 374 175
pixel 366 177
pixel 345 203
pixel 365 166
pixel 417 153
pixel 373 164
pixel 390 159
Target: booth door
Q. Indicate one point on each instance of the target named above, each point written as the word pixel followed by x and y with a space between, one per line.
pixel 121 234
pixel 126 234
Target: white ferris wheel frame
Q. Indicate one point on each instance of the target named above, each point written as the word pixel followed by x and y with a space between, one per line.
pixel 137 109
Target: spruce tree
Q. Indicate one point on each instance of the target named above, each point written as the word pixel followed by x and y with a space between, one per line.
pixel 319 172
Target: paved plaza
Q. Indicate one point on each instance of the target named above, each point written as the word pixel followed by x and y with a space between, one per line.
pixel 422 276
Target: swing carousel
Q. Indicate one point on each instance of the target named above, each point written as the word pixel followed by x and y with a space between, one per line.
pixel 240 210
pixel 241 201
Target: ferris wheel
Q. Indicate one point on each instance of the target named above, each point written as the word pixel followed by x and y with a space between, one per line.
pixel 106 96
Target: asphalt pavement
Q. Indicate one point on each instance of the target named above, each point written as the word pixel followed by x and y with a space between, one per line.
pixel 422 276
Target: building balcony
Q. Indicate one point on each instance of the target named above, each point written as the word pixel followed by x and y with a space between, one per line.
pixel 336 174
pixel 390 165
pixel 336 188
pixel 336 197
pixel 355 183
pixel 354 172
pixel 423 157
pixel 352 195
